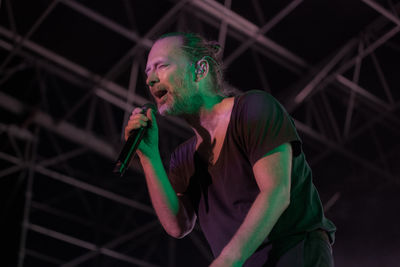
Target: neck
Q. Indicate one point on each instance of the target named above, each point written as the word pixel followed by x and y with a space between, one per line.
pixel 206 119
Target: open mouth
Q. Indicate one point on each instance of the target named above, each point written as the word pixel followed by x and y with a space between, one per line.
pixel 160 93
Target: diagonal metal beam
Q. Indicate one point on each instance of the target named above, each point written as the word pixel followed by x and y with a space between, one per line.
pixel 237 22
pixel 43 257
pixel 308 89
pixel 373 101
pixel 323 79
pixel 369 49
pixel 318 80
pixel 112 244
pixel 259 12
pixel 8 73
pixel 338 148
pixel 132 90
pixel 223 29
pixel 383 11
pixel 382 78
pixel 13 169
pixel 79 184
pixel 64 215
pixel 11 17
pixel 75 68
pixel 108 23
pixel 212 8
pixel 35 26
pixel 63 157
pixel 165 20
pixel 170 124
pixel 351 103
pixel 106 89
pixel 16 131
pixel 261 72
pixel 263 30
pixel 362 92
pixel 240 37
pixel 63 129
pixel 87 245
pixel 28 199
pixel 380 116
pixel 331 117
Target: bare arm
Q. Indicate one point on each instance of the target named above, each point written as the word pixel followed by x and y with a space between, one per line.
pixel 272 173
pixel 175 215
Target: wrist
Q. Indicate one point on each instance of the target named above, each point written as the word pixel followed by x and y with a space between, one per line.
pixel 224 261
pixel 148 158
pixel 231 258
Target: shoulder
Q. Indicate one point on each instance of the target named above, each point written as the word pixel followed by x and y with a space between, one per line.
pixel 255 95
pixel 257 99
pixel 256 102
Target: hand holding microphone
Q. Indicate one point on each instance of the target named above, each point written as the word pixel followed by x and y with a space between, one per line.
pixel 141 133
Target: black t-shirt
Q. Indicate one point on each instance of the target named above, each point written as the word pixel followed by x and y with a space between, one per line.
pixel 221 194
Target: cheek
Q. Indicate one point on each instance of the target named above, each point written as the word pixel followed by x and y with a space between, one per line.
pixel 178 80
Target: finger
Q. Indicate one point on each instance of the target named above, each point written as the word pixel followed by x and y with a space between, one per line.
pixel 135 123
pixel 150 114
pixel 136 111
pixel 143 123
pixel 132 126
pixel 138 117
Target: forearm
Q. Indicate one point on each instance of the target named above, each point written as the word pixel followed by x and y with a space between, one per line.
pixel 262 216
pixel 168 207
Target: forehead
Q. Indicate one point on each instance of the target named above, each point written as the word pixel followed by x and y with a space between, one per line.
pixel 165 48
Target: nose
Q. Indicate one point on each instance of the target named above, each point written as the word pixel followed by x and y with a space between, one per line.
pixel 152 79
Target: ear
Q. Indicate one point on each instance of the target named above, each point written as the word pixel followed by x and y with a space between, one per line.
pixel 201 69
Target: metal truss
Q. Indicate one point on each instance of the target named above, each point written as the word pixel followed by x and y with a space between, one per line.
pixel 337 74
pixel 91 126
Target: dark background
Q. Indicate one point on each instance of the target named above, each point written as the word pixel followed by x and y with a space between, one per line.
pixel 71 71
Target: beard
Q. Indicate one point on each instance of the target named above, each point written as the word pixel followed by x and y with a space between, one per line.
pixel 184 99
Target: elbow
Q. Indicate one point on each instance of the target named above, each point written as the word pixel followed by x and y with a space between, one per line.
pixel 177 232
pixel 180 229
pixel 177 235
pixel 180 225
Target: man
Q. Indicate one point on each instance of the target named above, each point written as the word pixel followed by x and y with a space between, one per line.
pixel 243 175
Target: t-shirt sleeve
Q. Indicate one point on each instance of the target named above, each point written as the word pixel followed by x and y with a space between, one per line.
pixel 263 124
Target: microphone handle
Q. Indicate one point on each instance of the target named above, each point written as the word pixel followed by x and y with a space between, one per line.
pixel 130 147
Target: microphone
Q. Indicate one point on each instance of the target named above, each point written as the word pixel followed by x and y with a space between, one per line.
pixel 132 144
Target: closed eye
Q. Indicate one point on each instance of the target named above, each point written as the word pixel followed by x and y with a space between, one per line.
pixel 162 66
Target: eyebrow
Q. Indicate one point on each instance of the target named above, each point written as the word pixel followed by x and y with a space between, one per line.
pixel 147 70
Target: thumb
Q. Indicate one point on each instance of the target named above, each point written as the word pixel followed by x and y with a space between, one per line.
pixel 150 114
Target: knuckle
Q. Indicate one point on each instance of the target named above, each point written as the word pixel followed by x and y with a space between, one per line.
pixel 136 111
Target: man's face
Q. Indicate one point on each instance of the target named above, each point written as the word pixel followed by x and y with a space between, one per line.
pixel 170 77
